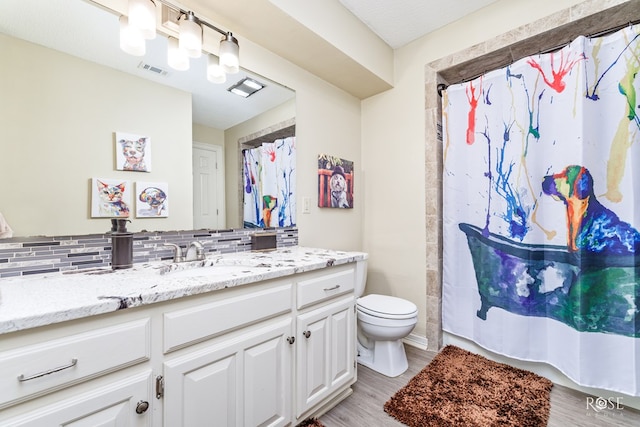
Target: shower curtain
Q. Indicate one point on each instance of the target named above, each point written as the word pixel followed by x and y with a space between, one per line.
pixel 541 188
pixel 269 184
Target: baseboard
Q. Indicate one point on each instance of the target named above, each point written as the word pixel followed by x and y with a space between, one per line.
pixel 416 341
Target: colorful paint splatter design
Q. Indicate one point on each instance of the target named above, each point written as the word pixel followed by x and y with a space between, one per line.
pixel 269 184
pixel 540 196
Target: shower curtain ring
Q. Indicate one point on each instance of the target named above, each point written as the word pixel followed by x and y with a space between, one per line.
pixel 440 88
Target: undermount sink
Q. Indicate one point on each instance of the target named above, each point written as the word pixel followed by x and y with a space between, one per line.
pixel 208 267
pixel 208 271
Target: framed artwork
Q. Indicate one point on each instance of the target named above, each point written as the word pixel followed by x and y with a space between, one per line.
pixel 152 199
pixel 133 152
pixel 110 198
pixel 335 182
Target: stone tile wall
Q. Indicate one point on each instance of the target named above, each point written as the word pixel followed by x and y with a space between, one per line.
pixel 39 255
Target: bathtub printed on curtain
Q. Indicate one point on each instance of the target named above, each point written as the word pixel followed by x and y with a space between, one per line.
pixel 269 184
pixel 541 188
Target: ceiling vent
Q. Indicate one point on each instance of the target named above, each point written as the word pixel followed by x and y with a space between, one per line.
pixel 153 69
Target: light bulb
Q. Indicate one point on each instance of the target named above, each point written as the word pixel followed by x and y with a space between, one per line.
pixel 215 73
pixel 229 50
pixel 177 58
pixel 191 35
pixel 131 39
pixel 142 15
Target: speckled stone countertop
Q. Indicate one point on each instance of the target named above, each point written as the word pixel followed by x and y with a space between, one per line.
pixel 43 300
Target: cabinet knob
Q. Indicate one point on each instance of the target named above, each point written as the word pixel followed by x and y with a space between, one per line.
pixel 142 407
pixel 306 334
pixel 291 340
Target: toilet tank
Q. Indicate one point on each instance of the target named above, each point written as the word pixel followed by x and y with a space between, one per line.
pixel 361 277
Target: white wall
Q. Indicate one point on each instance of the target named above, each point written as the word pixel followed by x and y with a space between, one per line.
pixel 207 135
pixel 58 116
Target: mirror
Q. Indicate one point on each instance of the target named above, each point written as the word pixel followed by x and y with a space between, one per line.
pixel 68 89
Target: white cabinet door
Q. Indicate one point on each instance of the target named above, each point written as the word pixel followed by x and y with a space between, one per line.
pixel 113 405
pixel 342 344
pixel 267 379
pixel 326 352
pixel 244 380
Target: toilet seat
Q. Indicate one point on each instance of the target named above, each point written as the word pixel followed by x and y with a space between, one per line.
pixel 387 307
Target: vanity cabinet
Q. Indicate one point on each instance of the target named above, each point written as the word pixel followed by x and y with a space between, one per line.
pixel 326 327
pixel 325 352
pixel 270 353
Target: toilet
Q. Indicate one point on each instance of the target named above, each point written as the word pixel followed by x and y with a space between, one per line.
pixel 383 321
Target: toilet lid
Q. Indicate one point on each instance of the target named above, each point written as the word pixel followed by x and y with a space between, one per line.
pixel 387 306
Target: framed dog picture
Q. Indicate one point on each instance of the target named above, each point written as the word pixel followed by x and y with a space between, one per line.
pixel 133 152
pixel 335 182
pixel 110 198
pixel 152 199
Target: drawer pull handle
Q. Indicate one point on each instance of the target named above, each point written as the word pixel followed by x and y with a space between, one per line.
pixel 22 378
pixel 333 288
pixel 306 334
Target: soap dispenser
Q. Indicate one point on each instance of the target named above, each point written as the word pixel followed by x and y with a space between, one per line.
pixel 121 244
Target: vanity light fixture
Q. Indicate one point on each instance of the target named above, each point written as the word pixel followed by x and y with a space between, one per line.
pixel 246 87
pixel 138 26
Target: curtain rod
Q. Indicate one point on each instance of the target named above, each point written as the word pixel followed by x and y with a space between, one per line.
pixel 441 86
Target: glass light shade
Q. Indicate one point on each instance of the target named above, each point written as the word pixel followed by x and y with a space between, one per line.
pixel 191 35
pixel 229 54
pixel 215 73
pixel 131 39
pixel 177 58
pixel 142 15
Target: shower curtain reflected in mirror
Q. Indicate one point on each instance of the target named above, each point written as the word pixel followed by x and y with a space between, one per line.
pixel 541 183
pixel 269 184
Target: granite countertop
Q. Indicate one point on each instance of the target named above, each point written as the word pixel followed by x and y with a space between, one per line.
pixel 31 302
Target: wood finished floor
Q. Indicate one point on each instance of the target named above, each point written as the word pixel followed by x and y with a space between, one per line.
pixel 372 390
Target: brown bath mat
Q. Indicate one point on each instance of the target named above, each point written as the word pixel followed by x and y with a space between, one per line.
pixel 460 388
pixel 311 422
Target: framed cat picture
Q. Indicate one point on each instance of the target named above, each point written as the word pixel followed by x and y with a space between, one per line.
pixel 133 152
pixel 335 182
pixel 152 199
pixel 110 198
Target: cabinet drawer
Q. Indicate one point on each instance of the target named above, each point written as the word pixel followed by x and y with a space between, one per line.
pixel 325 285
pixel 195 324
pixel 41 368
pixel 113 404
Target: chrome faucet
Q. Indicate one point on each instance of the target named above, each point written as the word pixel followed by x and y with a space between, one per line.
pixel 177 256
pixel 195 251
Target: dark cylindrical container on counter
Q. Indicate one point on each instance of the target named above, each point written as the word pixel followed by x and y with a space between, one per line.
pixel 121 244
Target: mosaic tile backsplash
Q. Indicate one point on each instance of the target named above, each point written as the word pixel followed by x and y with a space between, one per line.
pixel 40 255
